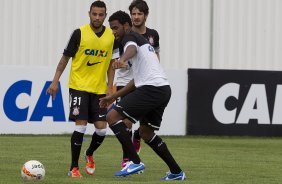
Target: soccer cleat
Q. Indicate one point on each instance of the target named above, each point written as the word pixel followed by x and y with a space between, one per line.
pixel 130 168
pixel 170 176
pixel 90 164
pixel 137 145
pixel 74 173
pixel 123 162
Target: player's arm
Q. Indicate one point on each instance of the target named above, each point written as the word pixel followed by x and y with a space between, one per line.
pixel 53 88
pixel 69 52
pixel 129 52
pixel 125 90
pixel 111 76
pixel 106 101
pixel 111 71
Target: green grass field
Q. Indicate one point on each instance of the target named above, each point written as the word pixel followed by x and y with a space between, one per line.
pixel 206 160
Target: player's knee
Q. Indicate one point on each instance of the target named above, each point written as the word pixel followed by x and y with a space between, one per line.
pixel 146 133
pixel 101 132
pixel 109 118
pixel 100 124
pixel 112 117
pixel 128 123
pixel 80 128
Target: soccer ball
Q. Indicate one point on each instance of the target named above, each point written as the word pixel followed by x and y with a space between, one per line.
pixel 33 170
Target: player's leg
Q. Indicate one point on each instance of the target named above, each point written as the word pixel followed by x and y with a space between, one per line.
pixel 97 137
pixel 125 157
pixel 79 114
pixel 96 141
pixel 137 141
pixel 161 149
pixel 76 144
pixel 152 122
pixel 98 117
pixel 128 123
pixel 115 120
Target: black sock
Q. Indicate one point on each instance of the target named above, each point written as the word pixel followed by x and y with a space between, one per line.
pixel 130 132
pixel 136 134
pixel 161 149
pixel 76 143
pixel 123 136
pixel 125 154
pixel 95 143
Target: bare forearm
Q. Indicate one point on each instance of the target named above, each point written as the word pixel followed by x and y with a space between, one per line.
pixel 127 89
pixel 60 68
pixel 111 75
pixel 130 51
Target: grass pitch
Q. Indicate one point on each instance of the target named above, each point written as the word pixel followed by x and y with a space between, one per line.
pixel 206 160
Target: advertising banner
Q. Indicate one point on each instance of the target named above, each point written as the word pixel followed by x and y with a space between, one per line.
pixel 234 102
pixel 27 109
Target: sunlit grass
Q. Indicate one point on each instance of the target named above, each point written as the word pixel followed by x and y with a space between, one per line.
pixel 205 160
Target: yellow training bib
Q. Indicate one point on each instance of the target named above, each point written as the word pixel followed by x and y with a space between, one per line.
pixel 91 62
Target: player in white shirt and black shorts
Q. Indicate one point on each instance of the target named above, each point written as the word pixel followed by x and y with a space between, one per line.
pixel 139 12
pixel 145 98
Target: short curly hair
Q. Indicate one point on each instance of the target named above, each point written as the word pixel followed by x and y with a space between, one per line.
pixel 141 5
pixel 121 16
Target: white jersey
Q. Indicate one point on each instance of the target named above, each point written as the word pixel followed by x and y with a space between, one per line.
pixel 123 76
pixel 145 65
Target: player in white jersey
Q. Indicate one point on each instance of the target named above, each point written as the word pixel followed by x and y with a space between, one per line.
pixel 139 12
pixel 147 95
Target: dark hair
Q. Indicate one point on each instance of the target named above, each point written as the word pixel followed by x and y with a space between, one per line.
pixel 140 5
pixel 122 17
pixel 99 4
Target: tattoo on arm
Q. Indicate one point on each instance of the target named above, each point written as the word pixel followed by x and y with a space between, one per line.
pixel 62 64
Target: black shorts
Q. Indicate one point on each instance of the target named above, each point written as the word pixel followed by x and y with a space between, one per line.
pixel 145 104
pixel 85 106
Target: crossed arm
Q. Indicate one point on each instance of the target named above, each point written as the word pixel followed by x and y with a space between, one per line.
pixel 106 101
pixel 130 52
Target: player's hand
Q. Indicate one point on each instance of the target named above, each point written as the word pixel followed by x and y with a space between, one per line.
pixel 120 64
pixel 52 90
pixel 106 101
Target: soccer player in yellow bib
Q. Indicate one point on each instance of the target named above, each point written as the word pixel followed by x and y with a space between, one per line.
pixel 91 48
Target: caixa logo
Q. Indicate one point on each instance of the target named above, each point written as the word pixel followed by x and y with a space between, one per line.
pixel 41 109
pixel 254 106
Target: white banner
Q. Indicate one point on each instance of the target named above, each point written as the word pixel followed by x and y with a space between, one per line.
pixel 27 109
